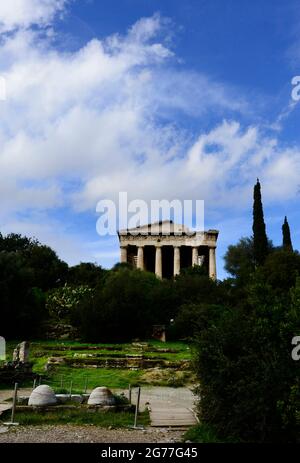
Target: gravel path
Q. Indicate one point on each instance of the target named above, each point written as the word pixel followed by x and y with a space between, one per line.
pixel 87 434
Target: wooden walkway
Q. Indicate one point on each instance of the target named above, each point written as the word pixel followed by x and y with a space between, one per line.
pixel 175 417
pixel 169 407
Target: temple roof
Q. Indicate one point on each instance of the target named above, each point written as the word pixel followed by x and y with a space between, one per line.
pixel 162 227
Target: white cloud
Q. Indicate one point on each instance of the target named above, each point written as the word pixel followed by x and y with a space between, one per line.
pixel 93 113
pixel 220 167
pixel 25 13
pixel 80 126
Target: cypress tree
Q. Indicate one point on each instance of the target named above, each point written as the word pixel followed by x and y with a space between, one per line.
pixel 260 240
pixel 286 236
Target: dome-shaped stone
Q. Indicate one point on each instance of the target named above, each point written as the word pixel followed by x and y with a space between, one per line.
pixel 42 396
pixel 101 396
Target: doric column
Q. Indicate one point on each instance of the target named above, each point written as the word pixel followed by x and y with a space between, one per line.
pixel 176 261
pixel 123 250
pixel 140 258
pixel 195 256
pixel 158 261
pixel 212 263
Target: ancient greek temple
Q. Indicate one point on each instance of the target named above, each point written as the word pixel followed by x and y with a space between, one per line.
pixel 165 248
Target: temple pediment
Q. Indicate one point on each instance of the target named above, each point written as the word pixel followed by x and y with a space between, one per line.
pixel 163 227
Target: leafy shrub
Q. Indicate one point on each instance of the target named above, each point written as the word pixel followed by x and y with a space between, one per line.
pixel 61 302
pixel 249 384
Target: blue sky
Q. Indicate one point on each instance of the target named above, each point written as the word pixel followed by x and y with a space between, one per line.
pixel 162 99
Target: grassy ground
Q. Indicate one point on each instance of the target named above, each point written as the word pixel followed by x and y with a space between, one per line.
pixel 62 376
pixel 44 349
pixel 80 417
pixel 204 434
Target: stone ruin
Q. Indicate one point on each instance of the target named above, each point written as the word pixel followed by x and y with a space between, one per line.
pixel 2 349
pixel 42 396
pixel 20 368
pixel 21 353
pixel 101 396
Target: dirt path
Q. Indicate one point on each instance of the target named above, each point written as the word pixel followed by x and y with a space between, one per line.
pixel 87 434
pixel 6 394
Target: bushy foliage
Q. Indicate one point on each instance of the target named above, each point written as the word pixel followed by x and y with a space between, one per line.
pixel 87 274
pixel 27 270
pixel 129 302
pixel 61 302
pixel 122 309
pixel 22 306
pixel 239 260
pixel 47 269
pixel 281 269
pixel 249 384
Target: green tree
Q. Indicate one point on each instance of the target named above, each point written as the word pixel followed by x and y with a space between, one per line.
pixel 61 302
pixel 239 260
pixel 194 285
pixel 286 235
pixel 249 384
pixel 260 240
pixel 86 273
pixel 121 309
pixel 49 271
pixel 22 306
pixel 280 271
pixel 14 242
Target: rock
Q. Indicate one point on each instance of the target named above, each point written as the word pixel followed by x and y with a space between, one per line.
pixel 21 353
pixel 52 362
pixel 56 361
pixel 64 398
pixel 23 400
pixel 101 396
pixel 2 349
pixel 16 354
pixel 77 398
pixel 24 352
pixel 42 396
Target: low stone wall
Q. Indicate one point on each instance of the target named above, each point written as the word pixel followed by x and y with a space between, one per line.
pixel 124 363
pixel 117 347
pixel 87 408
